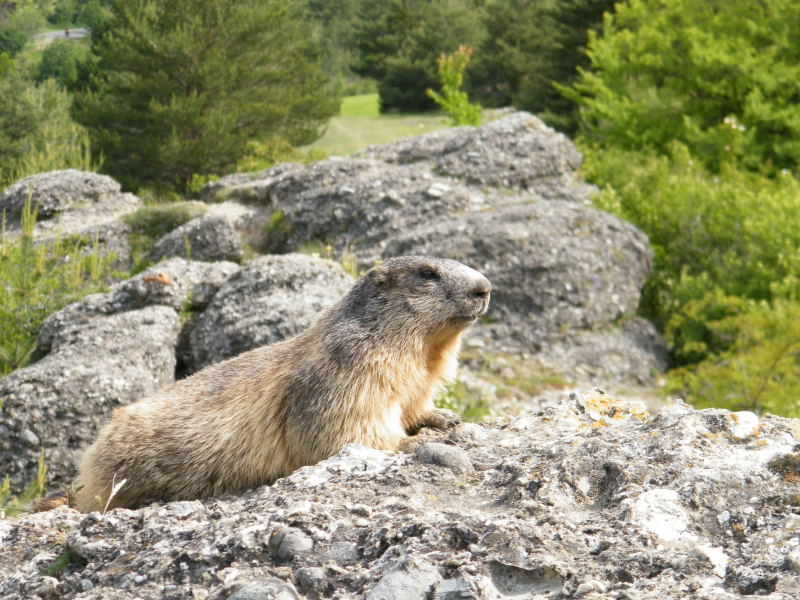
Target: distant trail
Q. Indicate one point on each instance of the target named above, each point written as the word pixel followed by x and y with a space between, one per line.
pixel 61 34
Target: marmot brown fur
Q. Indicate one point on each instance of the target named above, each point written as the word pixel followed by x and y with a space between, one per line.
pixel 366 371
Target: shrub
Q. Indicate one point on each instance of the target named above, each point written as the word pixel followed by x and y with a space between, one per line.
pixel 735 232
pixel 721 77
pixel 36 131
pixel 38 279
pixel 756 365
pixel 453 99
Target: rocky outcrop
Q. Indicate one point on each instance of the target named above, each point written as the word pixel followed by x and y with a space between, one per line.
pixel 588 498
pixel 73 203
pixel 206 238
pixel 114 348
pixel 268 300
pixel 503 198
pixel 99 353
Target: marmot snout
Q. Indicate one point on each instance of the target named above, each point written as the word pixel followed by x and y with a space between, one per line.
pixel 366 371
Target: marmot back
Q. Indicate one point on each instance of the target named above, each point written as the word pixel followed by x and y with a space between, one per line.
pixel 366 371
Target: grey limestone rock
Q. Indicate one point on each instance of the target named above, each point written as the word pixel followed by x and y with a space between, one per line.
pixel 588 498
pixel 100 352
pixel 206 238
pixel 269 299
pixel 503 198
pixel 451 457
pixel 58 403
pixel 73 203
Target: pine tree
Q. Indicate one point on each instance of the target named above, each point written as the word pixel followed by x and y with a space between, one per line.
pixel 400 41
pixel 181 86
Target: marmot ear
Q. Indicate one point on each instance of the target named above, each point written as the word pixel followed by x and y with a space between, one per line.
pixel 378 276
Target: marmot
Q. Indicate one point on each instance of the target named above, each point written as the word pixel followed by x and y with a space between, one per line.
pixel 366 371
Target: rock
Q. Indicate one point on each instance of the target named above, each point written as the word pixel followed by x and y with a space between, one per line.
pixel 58 403
pixel 407 579
pixel 555 267
pixel 287 543
pixel 55 192
pixel 101 352
pixel 265 589
pixel 446 456
pixel 73 203
pixel 207 238
pixel 269 299
pixel 587 498
pixel 177 283
pixel 503 198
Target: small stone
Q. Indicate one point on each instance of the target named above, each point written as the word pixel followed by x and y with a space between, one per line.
pixel 312 578
pixel 86 584
pixel 588 587
pixel 29 437
pixel 48 586
pixel 343 553
pixel 446 456
pixel 268 588
pixel 743 425
pixel 407 579
pixel 793 561
pixel 287 543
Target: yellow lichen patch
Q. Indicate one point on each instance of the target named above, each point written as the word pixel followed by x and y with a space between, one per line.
pixel 599 423
pixel 611 408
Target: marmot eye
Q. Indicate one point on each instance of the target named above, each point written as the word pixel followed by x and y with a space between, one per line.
pixel 428 274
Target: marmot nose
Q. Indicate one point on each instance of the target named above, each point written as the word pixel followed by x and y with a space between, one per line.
pixel 481 288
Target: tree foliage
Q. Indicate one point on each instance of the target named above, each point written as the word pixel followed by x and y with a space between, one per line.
pixel 182 86
pixel 723 77
pixel 453 99
pixel 36 130
pixel 400 40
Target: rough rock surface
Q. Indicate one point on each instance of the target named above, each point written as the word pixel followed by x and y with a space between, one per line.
pixel 589 498
pixel 503 198
pixel 268 300
pixel 71 202
pixel 100 352
pixel 206 238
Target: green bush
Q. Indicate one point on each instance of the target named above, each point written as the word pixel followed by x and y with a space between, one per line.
pixel 12 41
pixel 756 365
pixel 62 60
pixel 735 232
pixel 36 131
pixel 453 99
pixel 38 279
pixel 721 77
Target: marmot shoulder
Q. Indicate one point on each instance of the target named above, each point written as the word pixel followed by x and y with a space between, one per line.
pixel 366 371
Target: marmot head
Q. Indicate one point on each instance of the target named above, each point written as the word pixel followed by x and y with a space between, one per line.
pixel 425 293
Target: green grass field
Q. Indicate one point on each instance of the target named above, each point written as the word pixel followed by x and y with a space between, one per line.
pixel 360 124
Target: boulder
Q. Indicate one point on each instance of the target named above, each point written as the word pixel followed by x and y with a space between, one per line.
pixel 57 404
pixel 588 498
pixel 73 203
pixel 503 198
pixel 270 299
pixel 99 353
pixel 206 238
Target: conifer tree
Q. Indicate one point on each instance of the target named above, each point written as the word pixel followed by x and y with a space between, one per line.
pixel 182 86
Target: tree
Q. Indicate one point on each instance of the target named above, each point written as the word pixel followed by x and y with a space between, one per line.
pixel 62 61
pixel 532 45
pixel 12 41
pixel 400 40
pixel 36 131
pixel 723 77
pixel 182 86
